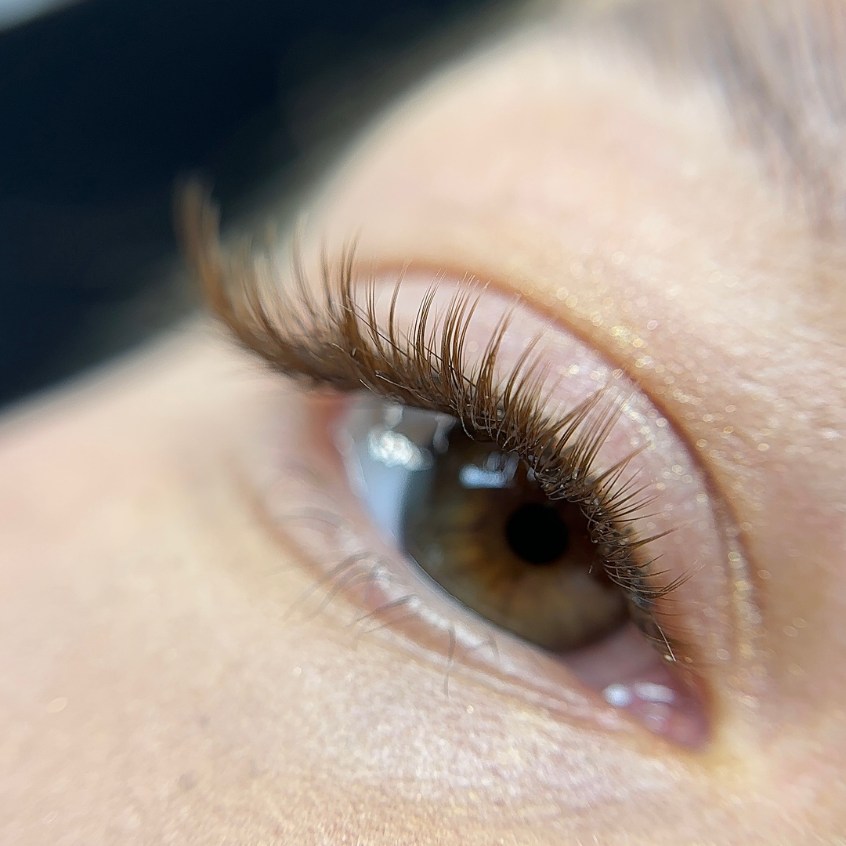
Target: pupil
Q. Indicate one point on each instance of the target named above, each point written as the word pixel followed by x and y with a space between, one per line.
pixel 537 534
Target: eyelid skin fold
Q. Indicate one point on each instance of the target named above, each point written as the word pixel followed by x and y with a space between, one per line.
pixel 523 382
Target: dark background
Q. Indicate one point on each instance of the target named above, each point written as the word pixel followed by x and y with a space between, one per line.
pixel 104 105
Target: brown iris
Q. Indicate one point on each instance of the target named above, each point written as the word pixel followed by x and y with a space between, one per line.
pixel 482 528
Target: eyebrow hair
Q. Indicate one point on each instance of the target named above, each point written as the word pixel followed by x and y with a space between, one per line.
pixel 777 67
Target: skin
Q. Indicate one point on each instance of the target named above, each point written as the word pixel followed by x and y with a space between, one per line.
pixel 153 690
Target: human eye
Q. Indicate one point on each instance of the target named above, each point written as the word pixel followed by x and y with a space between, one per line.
pixel 511 504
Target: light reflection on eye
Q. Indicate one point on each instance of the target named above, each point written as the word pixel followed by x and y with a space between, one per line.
pixel 384 446
pixel 393 449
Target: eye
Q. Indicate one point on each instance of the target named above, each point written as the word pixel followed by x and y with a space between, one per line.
pixel 540 519
pixel 477 521
pixel 485 534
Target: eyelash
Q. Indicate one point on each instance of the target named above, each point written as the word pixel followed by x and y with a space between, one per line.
pixel 333 341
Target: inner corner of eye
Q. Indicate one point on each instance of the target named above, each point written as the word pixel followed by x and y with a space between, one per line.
pixel 538 564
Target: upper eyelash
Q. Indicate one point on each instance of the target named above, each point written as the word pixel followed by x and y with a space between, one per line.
pixel 335 341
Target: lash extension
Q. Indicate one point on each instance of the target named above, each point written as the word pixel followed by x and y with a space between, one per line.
pixel 333 338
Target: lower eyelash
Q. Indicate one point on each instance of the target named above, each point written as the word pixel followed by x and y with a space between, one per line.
pixel 328 338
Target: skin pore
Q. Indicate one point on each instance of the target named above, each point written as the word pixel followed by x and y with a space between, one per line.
pixel 154 690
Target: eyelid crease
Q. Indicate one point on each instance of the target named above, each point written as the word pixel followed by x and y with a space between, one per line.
pixel 329 338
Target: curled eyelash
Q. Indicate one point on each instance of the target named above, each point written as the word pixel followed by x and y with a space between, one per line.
pixel 332 336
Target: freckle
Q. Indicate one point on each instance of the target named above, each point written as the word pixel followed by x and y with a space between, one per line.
pixel 187 781
pixel 562 294
pixel 730 409
pixel 707 418
pixel 651 325
pixel 763 447
pixel 469 709
pixel 57 705
pixel 297 671
pixel 764 575
pixel 701 443
pixel 661 423
pixel 702 499
pixel 727 430
pixel 677 469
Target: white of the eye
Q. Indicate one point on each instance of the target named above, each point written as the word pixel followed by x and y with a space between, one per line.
pixel 384 446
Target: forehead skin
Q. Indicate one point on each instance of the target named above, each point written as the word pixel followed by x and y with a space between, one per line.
pixel 152 692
